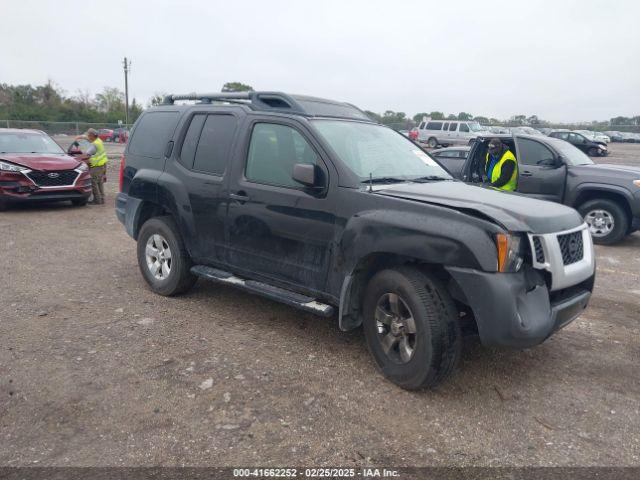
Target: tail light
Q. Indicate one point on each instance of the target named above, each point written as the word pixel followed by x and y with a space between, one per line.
pixel 121 173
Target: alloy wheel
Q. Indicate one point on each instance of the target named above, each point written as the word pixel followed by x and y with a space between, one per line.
pixel 396 328
pixel 158 256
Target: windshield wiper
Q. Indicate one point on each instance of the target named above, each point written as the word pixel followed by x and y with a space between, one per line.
pixel 385 180
pixel 430 178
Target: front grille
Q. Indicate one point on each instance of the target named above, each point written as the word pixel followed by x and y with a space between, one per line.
pixel 58 178
pixel 571 247
pixel 537 246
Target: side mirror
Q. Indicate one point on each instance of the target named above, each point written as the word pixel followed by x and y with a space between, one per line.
pixel 305 174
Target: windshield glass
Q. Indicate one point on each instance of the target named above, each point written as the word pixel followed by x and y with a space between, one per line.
pixel 570 154
pixel 476 127
pixel 28 143
pixel 373 149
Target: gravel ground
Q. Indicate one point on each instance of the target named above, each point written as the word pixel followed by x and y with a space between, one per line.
pixel 95 370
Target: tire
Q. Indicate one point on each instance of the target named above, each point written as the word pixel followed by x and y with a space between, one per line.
pixel 437 340
pixel 80 202
pixel 607 220
pixel 175 276
pixel 592 152
pixel 432 142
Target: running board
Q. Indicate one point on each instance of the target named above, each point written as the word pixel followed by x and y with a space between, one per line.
pixel 281 295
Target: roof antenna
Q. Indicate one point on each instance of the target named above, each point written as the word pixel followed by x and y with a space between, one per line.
pixel 370 182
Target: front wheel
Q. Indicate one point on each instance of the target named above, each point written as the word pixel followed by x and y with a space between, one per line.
pixel 162 257
pixel 411 326
pixel 593 152
pixel 606 219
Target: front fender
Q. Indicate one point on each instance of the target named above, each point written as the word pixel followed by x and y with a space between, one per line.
pixel 438 236
pixel 581 188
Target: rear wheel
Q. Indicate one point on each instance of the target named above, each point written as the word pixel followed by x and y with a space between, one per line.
pixel 162 257
pixel 411 326
pixel 432 142
pixel 606 219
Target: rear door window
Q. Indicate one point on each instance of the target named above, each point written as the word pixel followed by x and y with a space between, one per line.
pixel 212 153
pixel 452 127
pixel 152 133
pixel 190 143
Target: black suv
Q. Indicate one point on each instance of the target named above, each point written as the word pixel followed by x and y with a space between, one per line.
pixel 308 202
pixel 588 146
pixel 607 196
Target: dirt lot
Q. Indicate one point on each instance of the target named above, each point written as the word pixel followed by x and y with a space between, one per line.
pixel 97 370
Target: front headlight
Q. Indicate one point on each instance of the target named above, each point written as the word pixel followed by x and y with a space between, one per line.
pixel 10 167
pixel 602 147
pixel 636 183
pixel 510 255
pixel 82 167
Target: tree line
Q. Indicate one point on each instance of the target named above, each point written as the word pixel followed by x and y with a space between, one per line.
pixel 50 103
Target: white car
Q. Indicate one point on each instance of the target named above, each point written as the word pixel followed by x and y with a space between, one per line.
pixel 450 132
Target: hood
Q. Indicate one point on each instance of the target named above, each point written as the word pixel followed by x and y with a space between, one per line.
pixel 602 172
pixel 41 161
pixel 514 212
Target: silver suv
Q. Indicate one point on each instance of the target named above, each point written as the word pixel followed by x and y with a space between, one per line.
pixel 450 132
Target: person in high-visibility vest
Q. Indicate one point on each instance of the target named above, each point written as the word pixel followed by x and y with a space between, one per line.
pixel 501 166
pixel 97 164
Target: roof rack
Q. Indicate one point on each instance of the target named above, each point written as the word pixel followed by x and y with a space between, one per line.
pixel 257 100
pixel 278 102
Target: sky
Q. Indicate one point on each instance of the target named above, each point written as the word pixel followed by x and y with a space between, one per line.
pixel 562 60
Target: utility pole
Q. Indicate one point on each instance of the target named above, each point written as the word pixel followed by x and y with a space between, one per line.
pixel 127 66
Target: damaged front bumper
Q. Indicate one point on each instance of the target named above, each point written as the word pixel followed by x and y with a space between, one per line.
pixel 517 309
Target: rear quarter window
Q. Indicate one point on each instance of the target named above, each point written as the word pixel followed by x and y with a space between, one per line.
pixel 152 133
pixel 434 126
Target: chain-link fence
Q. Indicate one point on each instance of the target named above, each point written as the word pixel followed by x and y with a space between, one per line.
pixel 60 128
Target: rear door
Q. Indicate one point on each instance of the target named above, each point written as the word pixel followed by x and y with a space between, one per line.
pixel 196 180
pixel 453 134
pixel 538 173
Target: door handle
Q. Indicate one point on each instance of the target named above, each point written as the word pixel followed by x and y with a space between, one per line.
pixel 240 197
pixel 527 173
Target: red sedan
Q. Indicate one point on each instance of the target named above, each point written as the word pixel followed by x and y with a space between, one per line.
pixel 34 168
pixel 105 134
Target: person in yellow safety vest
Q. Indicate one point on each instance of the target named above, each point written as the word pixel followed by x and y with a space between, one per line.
pixel 97 164
pixel 501 166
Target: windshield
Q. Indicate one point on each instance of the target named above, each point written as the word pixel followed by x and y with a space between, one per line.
pixel 476 127
pixel 586 133
pixel 369 149
pixel 570 154
pixel 28 143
